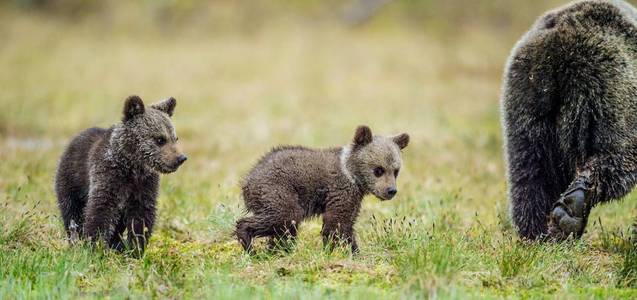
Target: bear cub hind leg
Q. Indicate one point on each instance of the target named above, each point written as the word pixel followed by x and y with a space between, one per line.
pixel 281 234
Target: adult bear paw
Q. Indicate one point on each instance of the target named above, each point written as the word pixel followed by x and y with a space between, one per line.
pixel 570 212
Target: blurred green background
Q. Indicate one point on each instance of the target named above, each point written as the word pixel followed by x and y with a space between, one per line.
pixel 451 15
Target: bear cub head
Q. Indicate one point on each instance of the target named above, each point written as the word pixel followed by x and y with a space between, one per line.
pixel 146 135
pixel 374 161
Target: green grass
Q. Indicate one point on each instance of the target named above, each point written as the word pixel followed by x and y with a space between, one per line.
pixel 446 235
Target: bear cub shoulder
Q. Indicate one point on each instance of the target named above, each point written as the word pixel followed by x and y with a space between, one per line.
pixel 292 183
pixel 107 179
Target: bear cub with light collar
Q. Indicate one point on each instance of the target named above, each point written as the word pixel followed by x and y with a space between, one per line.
pixel 293 183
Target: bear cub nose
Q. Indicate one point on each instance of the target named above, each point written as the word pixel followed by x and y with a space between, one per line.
pixel 392 191
pixel 181 159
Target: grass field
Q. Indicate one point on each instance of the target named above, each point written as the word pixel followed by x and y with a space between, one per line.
pixel 446 235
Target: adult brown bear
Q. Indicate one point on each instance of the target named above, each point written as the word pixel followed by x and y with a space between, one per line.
pixel 569 109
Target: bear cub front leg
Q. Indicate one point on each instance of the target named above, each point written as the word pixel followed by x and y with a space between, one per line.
pixel 338 227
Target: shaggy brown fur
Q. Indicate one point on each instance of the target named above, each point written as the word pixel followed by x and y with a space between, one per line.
pixel 107 180
pixel 569 108
pixel 290 184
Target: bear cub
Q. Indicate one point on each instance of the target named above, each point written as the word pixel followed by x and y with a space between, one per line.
pixel 293 183
pixel 107 179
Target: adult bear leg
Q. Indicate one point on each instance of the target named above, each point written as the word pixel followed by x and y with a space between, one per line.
pixel 601 179
pixel 535 179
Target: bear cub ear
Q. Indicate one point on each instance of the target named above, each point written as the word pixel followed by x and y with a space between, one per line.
pixel 132 107
pixel 167 106
pixel 363 136
pixel 402 140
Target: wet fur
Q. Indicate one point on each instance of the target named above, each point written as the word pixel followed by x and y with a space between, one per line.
pixel 569 107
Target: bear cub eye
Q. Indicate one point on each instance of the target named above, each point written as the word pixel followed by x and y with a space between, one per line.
pixel 160 141
pixel 396 172
pixel 379 171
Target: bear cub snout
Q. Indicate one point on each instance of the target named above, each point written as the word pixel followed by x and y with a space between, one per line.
pixel 108 179
pixel 292 183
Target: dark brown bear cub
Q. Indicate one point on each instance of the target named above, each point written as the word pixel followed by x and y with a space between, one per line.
pixel 108 179
pixel 290 184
